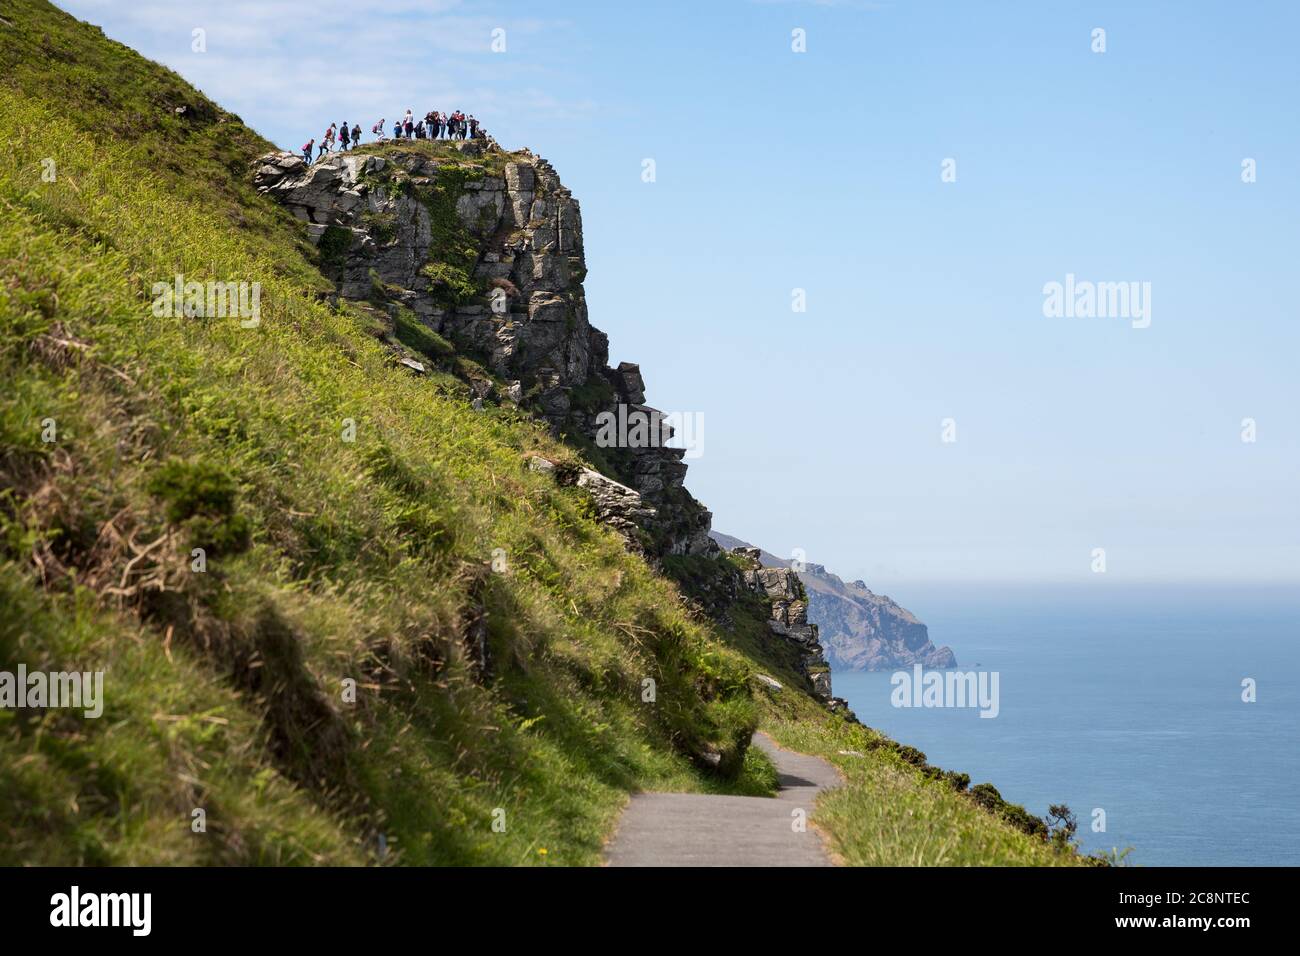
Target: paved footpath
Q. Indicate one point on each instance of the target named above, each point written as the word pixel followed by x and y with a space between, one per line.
pixel 696 829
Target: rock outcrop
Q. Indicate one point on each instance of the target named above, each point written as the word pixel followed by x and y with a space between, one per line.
pixel 484 249
pixel 616 505
pixel 868 631
pixel 859 629
pixel 789 619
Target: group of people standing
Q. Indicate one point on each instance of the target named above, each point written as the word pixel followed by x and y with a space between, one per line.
pixel 434 125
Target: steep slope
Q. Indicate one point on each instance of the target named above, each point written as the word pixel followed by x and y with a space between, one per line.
pixel 352 600
pixel 473 248
pixel 336 612
pixel 860 630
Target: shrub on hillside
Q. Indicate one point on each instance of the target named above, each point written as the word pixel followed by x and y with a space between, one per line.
pixel 201 496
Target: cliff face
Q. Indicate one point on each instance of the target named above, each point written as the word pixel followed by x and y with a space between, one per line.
pixel 859 629
pixel 484 249
pixel 789 618
pixel 867 631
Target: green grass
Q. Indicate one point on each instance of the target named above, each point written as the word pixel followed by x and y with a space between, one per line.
pixel 328 560
pixel 887 812
pixel 489 164
pixel 399 630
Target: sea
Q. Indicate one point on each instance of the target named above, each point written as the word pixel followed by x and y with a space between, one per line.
pixel 1166 717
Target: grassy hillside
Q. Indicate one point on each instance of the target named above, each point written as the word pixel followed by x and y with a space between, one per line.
pixel 327 560
pixel 350 670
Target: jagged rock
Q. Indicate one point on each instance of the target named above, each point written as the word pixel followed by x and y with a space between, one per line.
pixel 860 630
pixel 839 705
pixel 633 384
pixel 779 584
pixel 867 631
pixel 372 218
pixel 782 587
pixel 617 505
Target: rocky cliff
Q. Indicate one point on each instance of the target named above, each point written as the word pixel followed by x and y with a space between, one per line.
pixel 868 631
pixel 789 619
pixel 859 629
pixel 482 249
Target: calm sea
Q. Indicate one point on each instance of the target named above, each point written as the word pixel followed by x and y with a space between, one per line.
pixel 1127 700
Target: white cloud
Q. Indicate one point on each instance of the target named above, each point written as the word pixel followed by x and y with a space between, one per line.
pixel 296 65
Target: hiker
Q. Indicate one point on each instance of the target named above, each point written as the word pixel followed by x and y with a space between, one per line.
pixel 326 141
pixel 345 134
pixel 397 129
pixel 378 129
pixel 430 122
pixel 409 124
pixel 356 135
pixel 460 124
pixel 473 127
pixel 306 150
pixel 419 130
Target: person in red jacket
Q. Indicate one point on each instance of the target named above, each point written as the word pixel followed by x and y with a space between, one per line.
pixel 306 150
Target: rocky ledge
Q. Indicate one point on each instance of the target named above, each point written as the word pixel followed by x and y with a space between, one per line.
pixel 789 619
pixel 483 248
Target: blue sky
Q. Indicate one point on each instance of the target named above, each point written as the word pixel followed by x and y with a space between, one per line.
pixel 820 170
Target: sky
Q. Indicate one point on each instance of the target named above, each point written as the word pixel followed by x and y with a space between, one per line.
pixel 831 170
